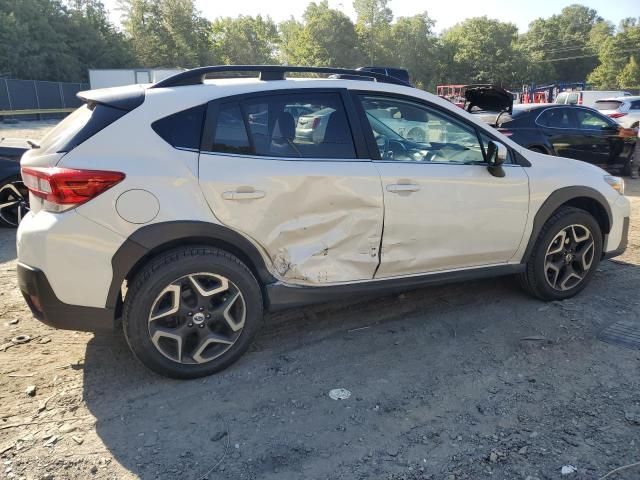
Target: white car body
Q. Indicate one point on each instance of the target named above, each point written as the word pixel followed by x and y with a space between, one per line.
pixel 626 109
pixel 317 224
pixel 587 98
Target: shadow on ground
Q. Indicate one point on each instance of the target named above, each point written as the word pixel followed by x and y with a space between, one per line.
pixel 440 378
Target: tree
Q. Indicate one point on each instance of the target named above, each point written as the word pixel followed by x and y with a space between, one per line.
pixel 47 40
pixel 619 55
pixel 245 40
pixel 413 45
pixel 167 33
pixel 480 50
pixel 373 24
pixel 327 37
pixel 563 44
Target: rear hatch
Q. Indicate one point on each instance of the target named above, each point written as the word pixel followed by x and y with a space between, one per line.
pixel 488 98
pixel 100 109
pixel 611 107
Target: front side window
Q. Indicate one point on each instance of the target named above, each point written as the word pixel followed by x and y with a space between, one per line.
pixel 556 118
pixel 408 131
pixel 590 121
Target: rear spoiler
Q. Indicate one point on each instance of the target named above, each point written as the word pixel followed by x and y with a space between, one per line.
pixel 123 98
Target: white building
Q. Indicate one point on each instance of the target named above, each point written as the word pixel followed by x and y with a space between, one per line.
pixel 103 78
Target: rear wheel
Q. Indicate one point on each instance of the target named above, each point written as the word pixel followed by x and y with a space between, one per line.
pixel 565 255
pixel 14 202
pixel 192 312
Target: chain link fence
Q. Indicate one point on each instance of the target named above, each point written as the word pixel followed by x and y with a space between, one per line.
pixel 38 99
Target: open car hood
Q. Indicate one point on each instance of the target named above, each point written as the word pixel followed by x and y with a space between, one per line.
pixel 489 98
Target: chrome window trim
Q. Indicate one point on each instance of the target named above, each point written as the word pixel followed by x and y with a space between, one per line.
pixel 286 159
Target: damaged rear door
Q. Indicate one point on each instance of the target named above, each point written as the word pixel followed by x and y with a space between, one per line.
pixel 283 168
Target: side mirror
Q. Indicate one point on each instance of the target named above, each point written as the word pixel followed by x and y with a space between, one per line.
pixel 497 154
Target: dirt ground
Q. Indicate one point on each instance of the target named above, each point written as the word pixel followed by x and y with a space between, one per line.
pixel 467 381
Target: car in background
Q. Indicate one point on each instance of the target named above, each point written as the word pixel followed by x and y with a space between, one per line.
pixel 587 98
pixel 571 131
pixel 14 196
pixel 487 101
pixel 624 110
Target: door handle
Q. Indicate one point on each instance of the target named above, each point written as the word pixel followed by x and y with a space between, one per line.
pixel 403 187
pixel 236 195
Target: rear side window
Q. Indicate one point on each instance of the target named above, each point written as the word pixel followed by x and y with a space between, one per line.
pixel 79 126
pixel 182 129
pixel 635 105
pixel 607 105
pixel 305 125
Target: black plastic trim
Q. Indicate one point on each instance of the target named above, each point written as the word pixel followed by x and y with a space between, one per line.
pixel 196 76
pixel 123 98
pixel 54 312
pixel 624 241
pixel 281 296
pixel 555 201
pixel 162 236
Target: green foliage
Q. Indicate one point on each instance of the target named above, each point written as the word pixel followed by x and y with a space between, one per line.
pixel 373 25
pixel 327 37
pixel 480 50
pixel 166 33
pixel 46 40
pixel 245 40
pixel 61 39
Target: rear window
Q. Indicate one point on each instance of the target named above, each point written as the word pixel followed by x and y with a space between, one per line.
pixel 608 104
pixel 182 129
pixel 78 127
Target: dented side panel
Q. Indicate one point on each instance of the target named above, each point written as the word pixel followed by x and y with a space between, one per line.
pixel 320 222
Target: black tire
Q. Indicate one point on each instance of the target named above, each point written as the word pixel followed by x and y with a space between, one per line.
pixel 534 280
pixel 15 196
pixel 147 287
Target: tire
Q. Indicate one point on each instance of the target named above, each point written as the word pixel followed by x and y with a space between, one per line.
pixel 544 268
pixel 14 202
pixel 166 303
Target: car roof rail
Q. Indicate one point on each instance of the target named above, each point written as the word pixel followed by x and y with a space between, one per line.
pixel 196 76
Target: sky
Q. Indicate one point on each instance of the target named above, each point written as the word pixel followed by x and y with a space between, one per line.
pixel 445 12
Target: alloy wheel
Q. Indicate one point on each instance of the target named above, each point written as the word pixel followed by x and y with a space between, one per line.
pixel 569 257
pixel 197 318
pixel 14 203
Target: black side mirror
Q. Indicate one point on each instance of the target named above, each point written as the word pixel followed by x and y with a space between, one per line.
pixel 496 155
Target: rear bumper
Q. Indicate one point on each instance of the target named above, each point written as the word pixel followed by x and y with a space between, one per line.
pixel 47 308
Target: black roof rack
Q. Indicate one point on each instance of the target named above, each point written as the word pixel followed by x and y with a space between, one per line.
pixel 196 76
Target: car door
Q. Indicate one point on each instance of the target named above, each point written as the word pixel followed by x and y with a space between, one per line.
pixel 313 205
pixel 443 209
pixel 602 143
pixel 558 126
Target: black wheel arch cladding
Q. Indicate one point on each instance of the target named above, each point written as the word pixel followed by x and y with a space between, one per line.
pixel 151 240
pixel 582 197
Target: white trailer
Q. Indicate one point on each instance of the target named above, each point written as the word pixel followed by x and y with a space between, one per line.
pixel 103 78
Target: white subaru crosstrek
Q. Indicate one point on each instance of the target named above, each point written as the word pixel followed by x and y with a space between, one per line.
pixel 187 208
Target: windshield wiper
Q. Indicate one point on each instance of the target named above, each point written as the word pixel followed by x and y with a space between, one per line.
pixel 33 144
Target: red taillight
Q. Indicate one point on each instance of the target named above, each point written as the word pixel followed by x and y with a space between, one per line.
pixel 616 115
pixel 66 186
pixel 506 132
pixel 316 122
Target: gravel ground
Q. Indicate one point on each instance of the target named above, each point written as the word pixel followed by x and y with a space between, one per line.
pixel 32 129
pixel 467 381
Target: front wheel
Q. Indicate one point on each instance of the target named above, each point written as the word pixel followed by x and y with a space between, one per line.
pixel 565 255
pixel 192 312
